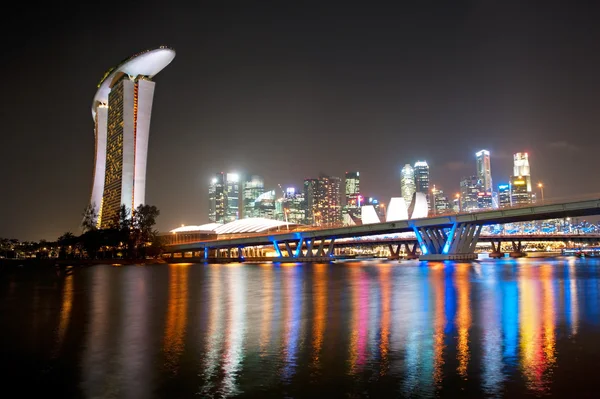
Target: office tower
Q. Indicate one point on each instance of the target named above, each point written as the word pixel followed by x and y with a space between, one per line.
pixel 504 195
pixel 294 208
pixel 253 187
pixel 484 200
pixel 232 193
pixel 422 180
pixel 121 111
pixel 216 199
pixel 223 198
pixel 265 205
pixel 310 190
pixel 329 200
pixel 519 195
pixel 407 183
pixel 521 168
pixel 440 201
pixel 352 197
pixel 484 171
pixel 469 189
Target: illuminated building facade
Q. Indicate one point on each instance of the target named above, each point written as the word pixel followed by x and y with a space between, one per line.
pixel 310 190
pixel 121 111
pixel 327 205
pixel 253 187
pixel 521 168
pixel 353 198
pixel 519 195
pixel 504 195
pixel 224 198
pixel 294 207
pixel 484 171
pixel 469 189
pixel 440 201
pixel 378 206
pixel 265 205
pixel 216 199
pixel 407 183
pixel 422 180
pixel 484 200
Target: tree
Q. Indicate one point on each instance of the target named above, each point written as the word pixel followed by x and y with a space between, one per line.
pixel 66 240
pixel 144 219
pixel 90 218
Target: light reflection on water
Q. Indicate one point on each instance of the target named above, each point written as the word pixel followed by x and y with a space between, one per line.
pixel 303 330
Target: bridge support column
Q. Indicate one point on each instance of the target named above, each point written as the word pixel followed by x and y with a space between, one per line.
pixel 411 253
pixel 496 250
pixel 455 243
pixel 517 251
pixel 394 253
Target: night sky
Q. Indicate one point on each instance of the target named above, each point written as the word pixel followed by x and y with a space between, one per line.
pixel 289 89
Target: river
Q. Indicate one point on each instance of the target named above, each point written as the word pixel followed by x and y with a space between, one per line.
pixel 490 328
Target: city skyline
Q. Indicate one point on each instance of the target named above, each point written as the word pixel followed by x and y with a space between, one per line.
pixel 300 90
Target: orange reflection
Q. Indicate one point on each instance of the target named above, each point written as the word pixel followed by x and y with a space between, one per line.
pixel 384 346
pixel 320 304
pixel 463 317
pixel 548 315
pixel 65 310
pixel 267 310
pixel 536 319
pixel 235 330
pixel 214 335
pixel 437 280
pixel 358 339
pixel 176 314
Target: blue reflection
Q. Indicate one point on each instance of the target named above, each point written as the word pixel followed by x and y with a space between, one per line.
pixel 449 298
pixel 510 320
pixel 293 320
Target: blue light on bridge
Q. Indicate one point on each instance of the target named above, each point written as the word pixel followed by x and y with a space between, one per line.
pixel 276 246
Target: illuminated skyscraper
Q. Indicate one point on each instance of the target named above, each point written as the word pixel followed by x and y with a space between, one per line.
pixel 407 183
pixel 504 195
pixel 327 205
pixel 293 206
pixel 216 199
pixel 469 189
pixel 518 191
pixel 121 111
pixel 422 180
pixel 310 191
pixel 223 198
pixel 440 201
pixel 521 168
pixel 484 171
pixel 254 186
pixel 352 206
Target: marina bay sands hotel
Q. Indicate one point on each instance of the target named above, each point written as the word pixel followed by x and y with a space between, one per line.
pixel 121 111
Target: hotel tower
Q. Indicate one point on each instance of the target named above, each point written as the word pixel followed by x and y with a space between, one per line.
pixel 121 112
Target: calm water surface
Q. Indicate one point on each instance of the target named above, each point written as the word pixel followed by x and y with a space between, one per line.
pixel 356 329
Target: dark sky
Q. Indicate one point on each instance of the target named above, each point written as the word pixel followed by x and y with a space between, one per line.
pixel 290 89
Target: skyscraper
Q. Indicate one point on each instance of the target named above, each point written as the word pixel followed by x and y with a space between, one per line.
pixel 352 206
pixel 484 171
pixel 504 195
pixel 518 191
pixel 407 183
pixel 521 168
pixel 422 180
pixel 293 206
pixel 440 201
pixel 327 202
pixel 253 187
pixel 469 189
pixel 121 111
pixel 310 191
pixel 223 198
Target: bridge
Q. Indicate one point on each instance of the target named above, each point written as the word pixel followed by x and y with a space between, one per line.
pixel 443 237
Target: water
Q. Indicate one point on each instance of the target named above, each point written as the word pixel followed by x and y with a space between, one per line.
pixel 357 329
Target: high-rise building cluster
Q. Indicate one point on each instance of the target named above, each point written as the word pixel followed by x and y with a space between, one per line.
pixel 321 201
pixel 333 201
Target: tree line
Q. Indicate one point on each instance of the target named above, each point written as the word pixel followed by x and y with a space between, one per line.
pixel 131 235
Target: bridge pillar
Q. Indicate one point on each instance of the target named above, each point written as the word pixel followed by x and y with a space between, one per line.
pixel 331 246
pixel 394 252
pixel 517 251
pixel 455 243
pixel 411 253
pixel 496 250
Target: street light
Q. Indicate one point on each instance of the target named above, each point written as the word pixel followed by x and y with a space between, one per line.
pixel 458 200
pixel 541 187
